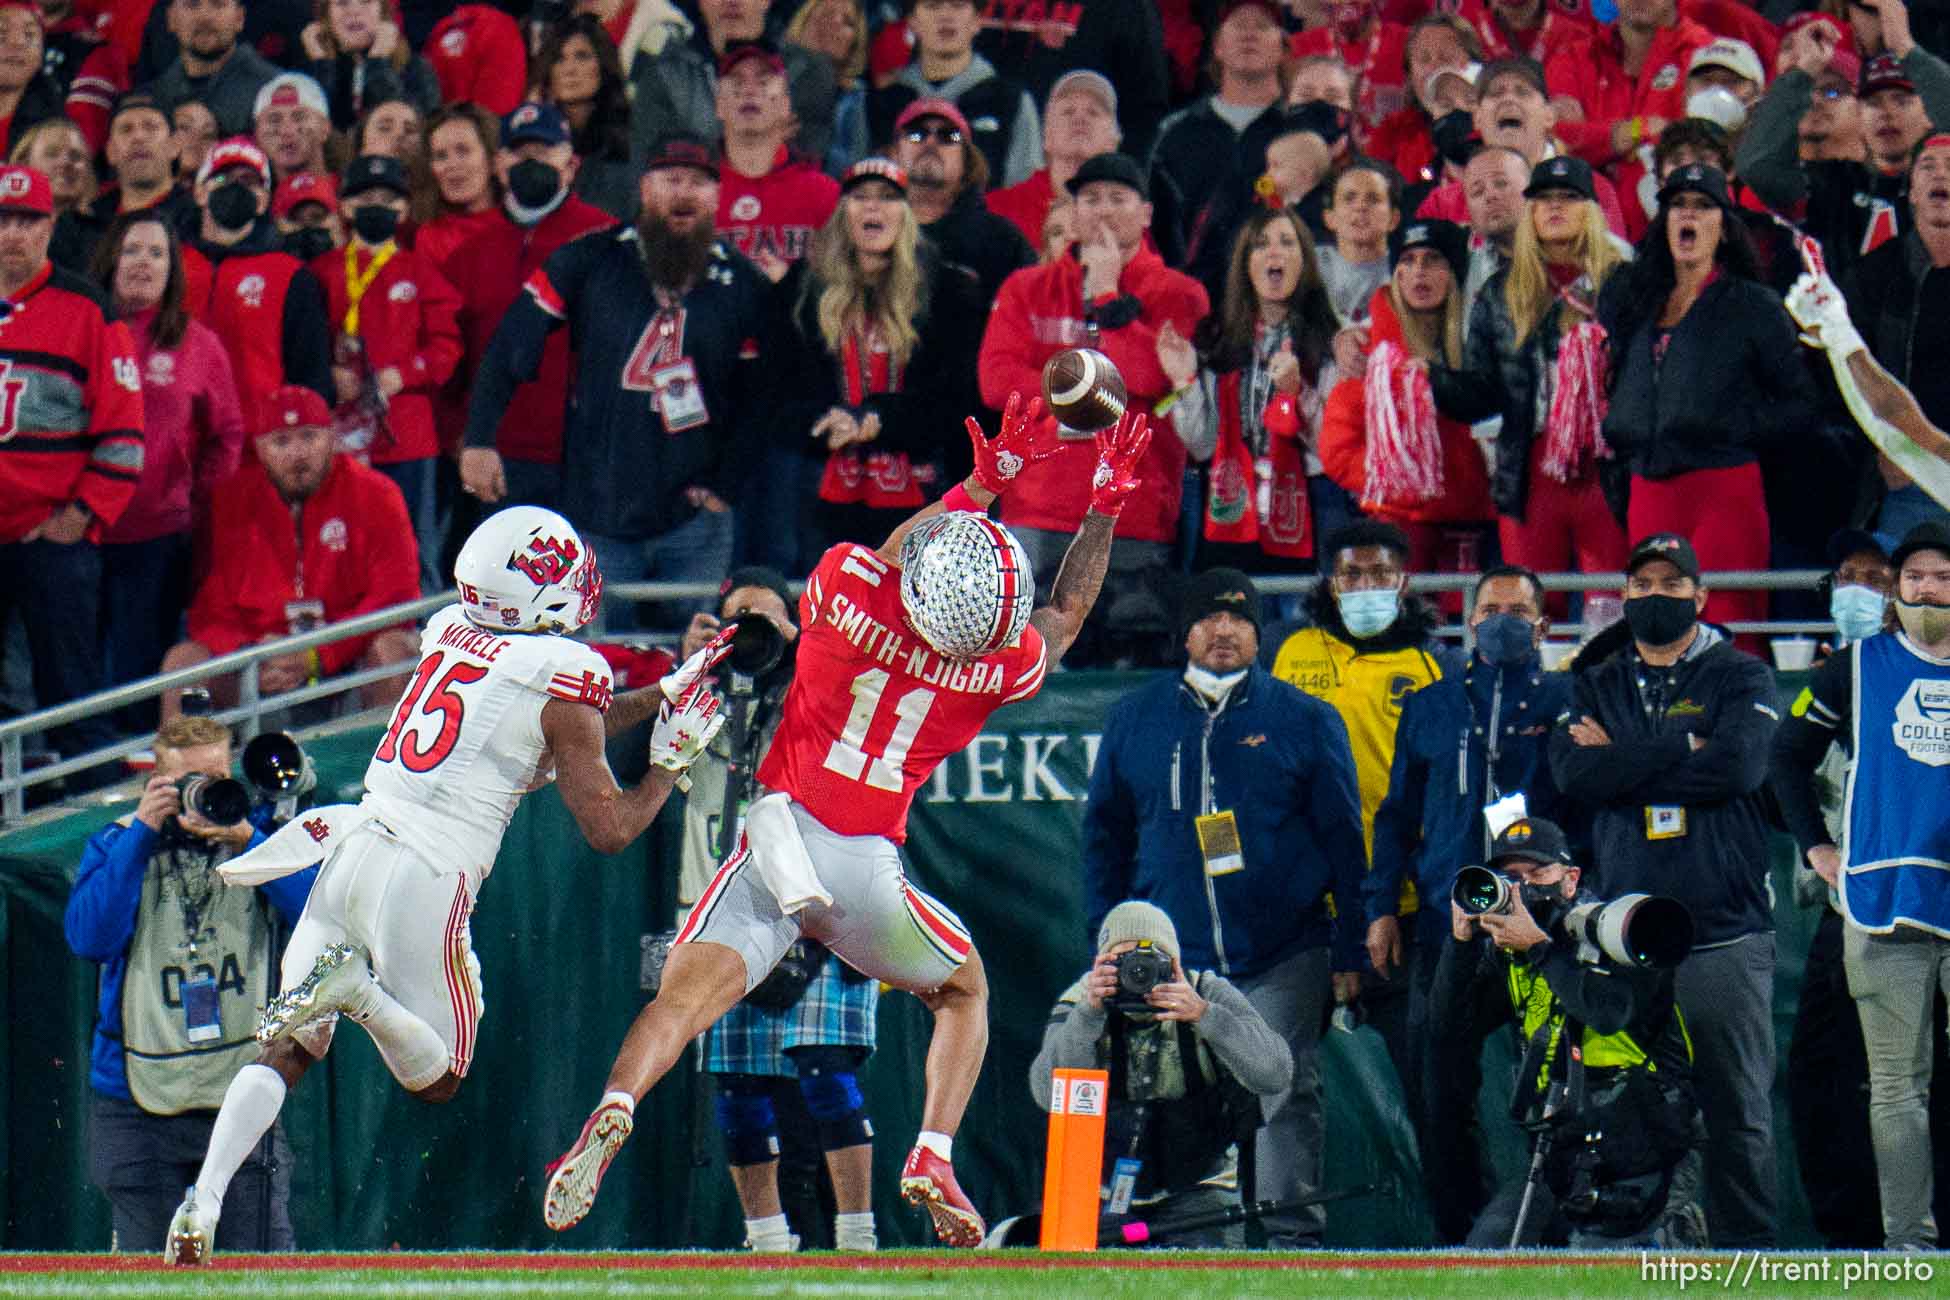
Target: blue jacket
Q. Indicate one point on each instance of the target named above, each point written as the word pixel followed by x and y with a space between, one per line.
pixel 1278 759
pixel 100 925
pixel 1431 821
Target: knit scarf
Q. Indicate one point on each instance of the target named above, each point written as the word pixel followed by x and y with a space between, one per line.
pixel 1404 448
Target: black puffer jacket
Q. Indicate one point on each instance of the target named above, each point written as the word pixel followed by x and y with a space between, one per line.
pixel 1733 380
pixel 1499 378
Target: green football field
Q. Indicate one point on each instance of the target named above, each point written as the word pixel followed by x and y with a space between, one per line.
pixel 1162 1275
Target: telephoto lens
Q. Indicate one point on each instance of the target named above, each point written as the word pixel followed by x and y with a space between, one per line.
pixel 756 646
pixel 1478 890
pixel 219 800
pixel 1635 930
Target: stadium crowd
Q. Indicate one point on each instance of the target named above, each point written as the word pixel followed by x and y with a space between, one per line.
pixel 1407 287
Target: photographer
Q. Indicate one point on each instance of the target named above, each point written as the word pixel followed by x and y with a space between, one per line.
pixel 793 1048
pixel 1191 1063
pixel 1617 1131
pixel 186 963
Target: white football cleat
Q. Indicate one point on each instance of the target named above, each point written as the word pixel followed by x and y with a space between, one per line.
pixel 191 1231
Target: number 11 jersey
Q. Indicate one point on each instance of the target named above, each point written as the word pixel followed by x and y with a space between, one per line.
pixel 873 709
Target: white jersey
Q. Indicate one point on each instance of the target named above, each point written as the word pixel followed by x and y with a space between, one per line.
pixel 465 742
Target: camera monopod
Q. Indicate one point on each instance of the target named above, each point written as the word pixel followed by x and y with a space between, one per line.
pixel 1563 1103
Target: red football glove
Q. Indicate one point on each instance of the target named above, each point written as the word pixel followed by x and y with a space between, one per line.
pixel 1119 449
pixel 1028 435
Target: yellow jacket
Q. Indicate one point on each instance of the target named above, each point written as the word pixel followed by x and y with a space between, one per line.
pixel 1367 689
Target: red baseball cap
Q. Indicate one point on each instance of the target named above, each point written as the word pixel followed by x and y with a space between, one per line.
pixel 304 187
pixel 738 52
pixel 23 189
pixel 942 108
pixel 237 151
pixel 290 407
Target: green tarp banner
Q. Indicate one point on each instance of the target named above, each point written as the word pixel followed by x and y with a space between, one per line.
pixel 558 931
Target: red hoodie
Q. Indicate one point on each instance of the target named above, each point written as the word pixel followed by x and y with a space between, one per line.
pixel 489 272
pixel 1592 72
pixel 1038 313
pixel 192 430
pixel 1465 494
pixel 358 556
pixel 477 54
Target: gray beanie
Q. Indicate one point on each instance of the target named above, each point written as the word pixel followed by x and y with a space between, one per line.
pixel 1137 920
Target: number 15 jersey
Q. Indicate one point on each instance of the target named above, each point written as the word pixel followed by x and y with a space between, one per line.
pixel 873 709
pixel 465 742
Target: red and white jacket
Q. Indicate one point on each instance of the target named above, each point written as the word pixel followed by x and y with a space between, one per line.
pixel 70 406
pixel 1040 312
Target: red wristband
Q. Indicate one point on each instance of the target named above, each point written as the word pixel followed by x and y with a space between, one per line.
pixel 957 498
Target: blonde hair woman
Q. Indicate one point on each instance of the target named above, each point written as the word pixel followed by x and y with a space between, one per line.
pixel 882 358
pixel 1534 355
pixel 58 148
pixel 1381 437
pixel 838 30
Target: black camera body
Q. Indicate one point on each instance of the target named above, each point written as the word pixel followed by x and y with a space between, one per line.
pixel 1139 971
pixel 219 800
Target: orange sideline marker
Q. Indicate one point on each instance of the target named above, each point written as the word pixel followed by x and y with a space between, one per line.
pixel 1073 1164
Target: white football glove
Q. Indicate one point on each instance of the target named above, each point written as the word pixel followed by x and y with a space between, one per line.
pixel 684 727
pixel 1819 309
pixel 680 679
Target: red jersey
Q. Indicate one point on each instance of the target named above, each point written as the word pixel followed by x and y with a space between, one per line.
pixel 776 212
pixel 872 710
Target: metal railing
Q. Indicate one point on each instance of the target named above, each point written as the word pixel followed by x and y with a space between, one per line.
pixel 247 715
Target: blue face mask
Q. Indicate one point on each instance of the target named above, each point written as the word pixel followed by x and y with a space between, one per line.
pixel 1857 612
pixel 1369 613
pixel 1505 639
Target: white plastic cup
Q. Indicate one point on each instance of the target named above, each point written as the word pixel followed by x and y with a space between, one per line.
pixel 1794 654
pixel 1554 653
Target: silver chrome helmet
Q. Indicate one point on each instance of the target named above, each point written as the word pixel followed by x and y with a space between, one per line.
pixel 966 584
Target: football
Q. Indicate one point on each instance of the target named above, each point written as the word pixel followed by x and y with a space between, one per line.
pixel 1083 390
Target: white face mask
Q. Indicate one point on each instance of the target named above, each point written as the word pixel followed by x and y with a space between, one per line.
pixel 1211 686
pixel 1719 106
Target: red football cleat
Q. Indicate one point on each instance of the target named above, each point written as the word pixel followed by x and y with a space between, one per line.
pixel 929 1181
pixel 574 1176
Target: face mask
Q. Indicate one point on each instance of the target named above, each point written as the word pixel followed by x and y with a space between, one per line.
pixel 1369 613
pixel 1719 106
pixel 1660 620
pixel 1451 133
pixel 309 242
pixel 1505 639
pixel 1857 612
pixel 232 206
pixel 533 182
pixel 375 224
pixel 1926 623
pixel 1211 686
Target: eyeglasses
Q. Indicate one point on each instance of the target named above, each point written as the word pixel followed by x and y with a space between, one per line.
pixel 922 134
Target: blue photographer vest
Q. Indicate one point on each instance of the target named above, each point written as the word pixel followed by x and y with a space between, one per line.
pixel 1896 859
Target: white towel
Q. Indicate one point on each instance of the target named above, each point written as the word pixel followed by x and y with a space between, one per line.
pixel 310 837
pixel 783 863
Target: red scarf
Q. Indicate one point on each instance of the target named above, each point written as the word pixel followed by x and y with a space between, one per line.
pixel 863 475
pixel 1261 499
